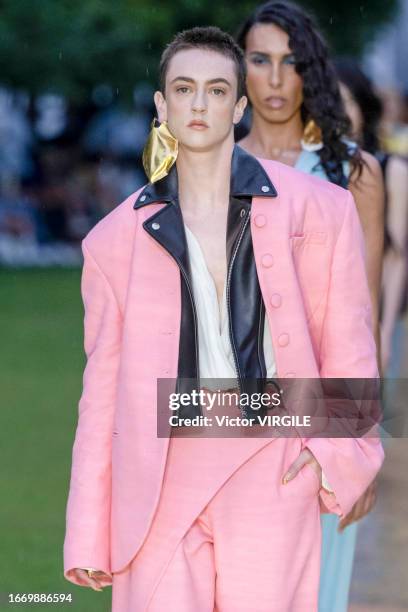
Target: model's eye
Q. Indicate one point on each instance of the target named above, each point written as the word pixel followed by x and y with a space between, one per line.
pixel 217 91
pixel 259 60
pixel 289 60
pixel 183 89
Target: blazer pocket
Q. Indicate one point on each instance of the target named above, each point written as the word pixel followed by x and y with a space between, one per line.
pixel 309 237
pixel 310 253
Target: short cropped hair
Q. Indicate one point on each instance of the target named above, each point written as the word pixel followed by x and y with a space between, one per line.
pixel 209 38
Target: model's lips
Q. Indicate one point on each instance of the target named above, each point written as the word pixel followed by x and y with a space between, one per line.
pixel 198 125
pixel 275 102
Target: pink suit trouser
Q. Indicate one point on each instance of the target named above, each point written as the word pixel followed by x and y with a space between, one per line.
pixel 227 535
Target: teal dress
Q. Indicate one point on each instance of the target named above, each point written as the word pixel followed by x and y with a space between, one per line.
pixel 337 549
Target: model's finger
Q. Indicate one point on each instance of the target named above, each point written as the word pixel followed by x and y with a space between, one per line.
pixel 94 584
pixel 103 578
pixel 88 581
pixel 356 513
pixel 343 524
pixel 363 507
pixel 82 576
pixel 369 504
pixel 347 520
pixel 299 462
pixel 99 574
pixel 315 465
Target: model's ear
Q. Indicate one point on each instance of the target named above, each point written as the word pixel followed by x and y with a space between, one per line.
pixel 239 109
pixel 161 106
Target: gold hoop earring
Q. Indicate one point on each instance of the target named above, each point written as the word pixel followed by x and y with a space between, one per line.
pixel 160 151
pixel 312 137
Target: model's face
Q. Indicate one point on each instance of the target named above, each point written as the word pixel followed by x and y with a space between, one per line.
pixel 274 87
pixel 200 103
pixel 352 110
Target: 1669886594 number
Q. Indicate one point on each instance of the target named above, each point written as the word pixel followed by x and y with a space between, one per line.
pixel 22 598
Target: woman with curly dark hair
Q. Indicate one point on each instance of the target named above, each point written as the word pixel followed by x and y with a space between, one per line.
pixel 298 119
pixel 364 108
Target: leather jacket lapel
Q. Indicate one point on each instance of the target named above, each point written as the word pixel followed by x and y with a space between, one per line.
pixel 167 228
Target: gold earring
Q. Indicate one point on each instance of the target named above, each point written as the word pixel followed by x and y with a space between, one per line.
pixel 312 137
pixel 160 151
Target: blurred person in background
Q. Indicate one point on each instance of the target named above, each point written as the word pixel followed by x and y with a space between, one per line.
pixel 17 214
pixel 55 163
pixel 364 109
pixel 394 124
pixel 298 119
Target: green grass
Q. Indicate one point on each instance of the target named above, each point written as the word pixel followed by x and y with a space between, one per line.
pixel 41 369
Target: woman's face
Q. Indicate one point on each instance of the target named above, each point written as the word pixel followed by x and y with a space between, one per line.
pixel 274 87
pixel 352 110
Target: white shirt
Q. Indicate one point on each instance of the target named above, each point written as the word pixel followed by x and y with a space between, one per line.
pixel 215 353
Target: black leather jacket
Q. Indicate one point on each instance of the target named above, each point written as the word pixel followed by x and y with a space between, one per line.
pixel 246 310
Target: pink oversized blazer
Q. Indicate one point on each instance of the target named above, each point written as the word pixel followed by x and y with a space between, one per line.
pixel 309 252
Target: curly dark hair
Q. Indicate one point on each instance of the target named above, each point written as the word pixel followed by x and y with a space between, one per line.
pixel 321 95
pixel 362 90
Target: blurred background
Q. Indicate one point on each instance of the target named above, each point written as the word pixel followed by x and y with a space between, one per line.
pixel 76 85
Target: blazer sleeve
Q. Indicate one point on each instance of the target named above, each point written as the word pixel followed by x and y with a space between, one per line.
pixel 87 536
pixel 348 351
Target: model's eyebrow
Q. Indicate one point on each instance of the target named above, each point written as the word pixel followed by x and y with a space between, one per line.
pixel 183 78
pixel 219 80
pixel 267 55
pixel 258 53
pixel 210 82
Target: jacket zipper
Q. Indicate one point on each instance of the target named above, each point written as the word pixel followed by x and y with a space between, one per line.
pixel 190 292
pixel 195 330
pixel 231 335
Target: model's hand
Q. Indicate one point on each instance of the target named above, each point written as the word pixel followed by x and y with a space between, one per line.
pixel 363 506
pixel 96 582
pixel 385 350
pixel 306 456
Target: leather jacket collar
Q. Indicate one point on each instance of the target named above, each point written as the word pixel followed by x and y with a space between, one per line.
pixel 248 179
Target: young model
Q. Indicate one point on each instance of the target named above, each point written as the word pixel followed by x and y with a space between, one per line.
pixel 298 119
pixel 191 524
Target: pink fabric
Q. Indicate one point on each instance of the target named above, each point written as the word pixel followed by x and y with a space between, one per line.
pixel 255 545
pixel 308 248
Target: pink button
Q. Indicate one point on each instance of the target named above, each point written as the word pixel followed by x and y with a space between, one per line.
pixel 290 375
pixel 276 300
pixel 260 220
pixel 267 260
pixel 283 340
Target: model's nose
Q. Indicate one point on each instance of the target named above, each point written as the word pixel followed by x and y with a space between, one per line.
pixel 199 104
pixel 275 76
